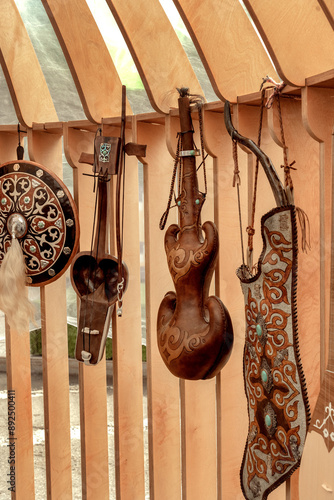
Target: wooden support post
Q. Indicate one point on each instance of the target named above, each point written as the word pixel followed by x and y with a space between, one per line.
pixel 127 343
pixel 318 119
pixel 46 149
pixel 162 387
pixel 92 379
pixel 198 398
pixel 20 443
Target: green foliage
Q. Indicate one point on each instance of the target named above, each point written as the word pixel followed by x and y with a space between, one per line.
pixel 109 349
pixel 72 338
pixel 36 343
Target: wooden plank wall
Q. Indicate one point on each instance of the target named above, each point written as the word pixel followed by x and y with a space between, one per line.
pixel 196 430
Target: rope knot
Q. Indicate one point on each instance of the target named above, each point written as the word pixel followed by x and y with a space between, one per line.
pixel 236 172
pixel 250 231
pixel 289 167
pixel 277 89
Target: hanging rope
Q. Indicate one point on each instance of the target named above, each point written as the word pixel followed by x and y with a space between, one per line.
pixel 287 167
pixel 251 229
pixel 276 96
pixel 302 216
pixel 237 182
pixel 164 217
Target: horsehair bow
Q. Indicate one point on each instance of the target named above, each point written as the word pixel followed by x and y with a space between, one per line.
pixel 269 169
pixel 39 233
pixel 274 382
pixel 98 278
pixel 194 331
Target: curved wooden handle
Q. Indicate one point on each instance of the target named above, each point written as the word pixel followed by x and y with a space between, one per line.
pixel 270 171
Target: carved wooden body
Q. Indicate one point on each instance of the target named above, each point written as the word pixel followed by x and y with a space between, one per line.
pixel 195 334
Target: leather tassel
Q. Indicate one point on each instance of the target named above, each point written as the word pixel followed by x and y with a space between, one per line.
pixel 14 301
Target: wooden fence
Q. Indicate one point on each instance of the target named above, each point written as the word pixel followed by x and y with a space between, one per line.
pixel 196 430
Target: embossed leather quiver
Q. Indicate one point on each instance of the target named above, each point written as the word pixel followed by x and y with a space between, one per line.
pixel 278 409
pixel 274 381
pixel 194 331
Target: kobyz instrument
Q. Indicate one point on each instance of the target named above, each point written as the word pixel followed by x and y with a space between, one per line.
pixel 94 279
pixel 195 334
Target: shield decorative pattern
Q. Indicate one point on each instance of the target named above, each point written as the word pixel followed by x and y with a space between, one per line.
pixel 274 382
pixel 105 149
pixel 51 235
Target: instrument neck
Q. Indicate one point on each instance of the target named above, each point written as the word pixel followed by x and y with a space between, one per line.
pixel 191 199
pixel 100 239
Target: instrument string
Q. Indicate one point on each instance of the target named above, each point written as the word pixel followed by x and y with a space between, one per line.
pixel 119 203
pixel 200 119
pixel 91 279
pixel 164 216
pixel 90 261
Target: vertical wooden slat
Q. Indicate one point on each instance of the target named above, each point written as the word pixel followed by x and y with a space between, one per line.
pixel 127 347
pixel 199 443
pixel 198 398
pixel 307 183
pixel 231 403
pixel 92 379
pixel 162 386
pixel 318 118
pixel 20 443
pixel 46 149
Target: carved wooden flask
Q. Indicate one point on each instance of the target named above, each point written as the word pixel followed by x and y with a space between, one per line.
pixel 195 334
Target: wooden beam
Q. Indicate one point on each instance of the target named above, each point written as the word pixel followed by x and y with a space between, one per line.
pixel 297 35
pixel 230 50
pixel 93 71
pixel 24 76
pixel 328 8
pixel 156 50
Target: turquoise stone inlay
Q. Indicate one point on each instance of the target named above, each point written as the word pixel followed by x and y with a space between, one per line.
pixel 264 376
pixel 197 201
pixel 179 203
pixel 267 420
pixel 259 330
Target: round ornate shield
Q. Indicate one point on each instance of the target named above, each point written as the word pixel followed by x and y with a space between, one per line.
pixel 37 206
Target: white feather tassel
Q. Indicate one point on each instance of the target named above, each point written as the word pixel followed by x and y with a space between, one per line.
pixel 14 301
